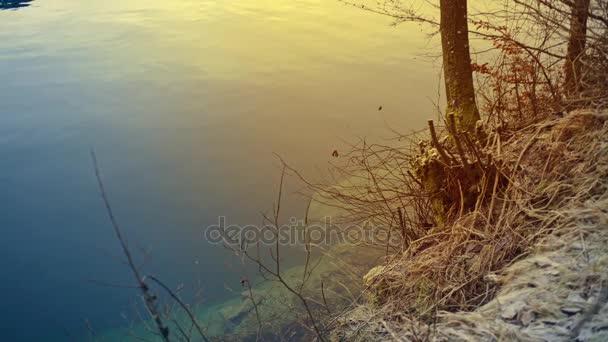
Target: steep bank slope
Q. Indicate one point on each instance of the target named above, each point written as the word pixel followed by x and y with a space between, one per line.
pixel 558 289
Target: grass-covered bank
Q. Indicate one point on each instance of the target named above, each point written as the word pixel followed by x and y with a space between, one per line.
pixel 538 272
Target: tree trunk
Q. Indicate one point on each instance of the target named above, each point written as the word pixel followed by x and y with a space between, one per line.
pixel 576 45
pixel 457 69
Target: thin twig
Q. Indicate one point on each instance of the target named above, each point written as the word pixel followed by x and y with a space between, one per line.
pixel 149 297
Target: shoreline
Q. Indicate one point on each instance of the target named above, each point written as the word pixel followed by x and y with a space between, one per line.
pixel 556 290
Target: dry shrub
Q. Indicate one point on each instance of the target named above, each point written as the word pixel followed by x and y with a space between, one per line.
pixel 566 265
pixel 485 207
pixel 445 270
pixel 450 269
pixel 520 168
pixel 443 266
pixel 520 85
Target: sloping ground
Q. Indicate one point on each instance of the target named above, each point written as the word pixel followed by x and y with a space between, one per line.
pixel 559 291
pixel 558 294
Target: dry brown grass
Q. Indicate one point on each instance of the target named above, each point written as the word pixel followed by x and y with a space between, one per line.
pixel 554 205
pixel 561 162
pixel 445 267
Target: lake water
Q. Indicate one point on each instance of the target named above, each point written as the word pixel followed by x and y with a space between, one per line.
pixel 185 103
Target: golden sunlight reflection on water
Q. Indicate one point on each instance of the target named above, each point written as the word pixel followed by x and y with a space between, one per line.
pixel 245 79
pixel 185 102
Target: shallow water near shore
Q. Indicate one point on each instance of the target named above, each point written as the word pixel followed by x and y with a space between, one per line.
pixel 184 103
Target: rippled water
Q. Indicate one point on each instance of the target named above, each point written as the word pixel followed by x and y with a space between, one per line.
pixel 185 103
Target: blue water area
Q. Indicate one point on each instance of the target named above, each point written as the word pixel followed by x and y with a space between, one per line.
pixel 14 4
pixel 185 104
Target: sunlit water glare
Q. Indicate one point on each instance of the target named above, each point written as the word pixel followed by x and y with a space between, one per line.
pixel 185 103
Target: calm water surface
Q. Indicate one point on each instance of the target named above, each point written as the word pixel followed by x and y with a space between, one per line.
pixel 185 103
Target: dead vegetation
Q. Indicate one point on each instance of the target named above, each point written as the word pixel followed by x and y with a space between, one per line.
pixel 556 202
pixel 466 205
pixel 477 202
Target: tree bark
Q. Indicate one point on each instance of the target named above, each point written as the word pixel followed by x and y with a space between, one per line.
pixel 576 45
pixel 457 69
